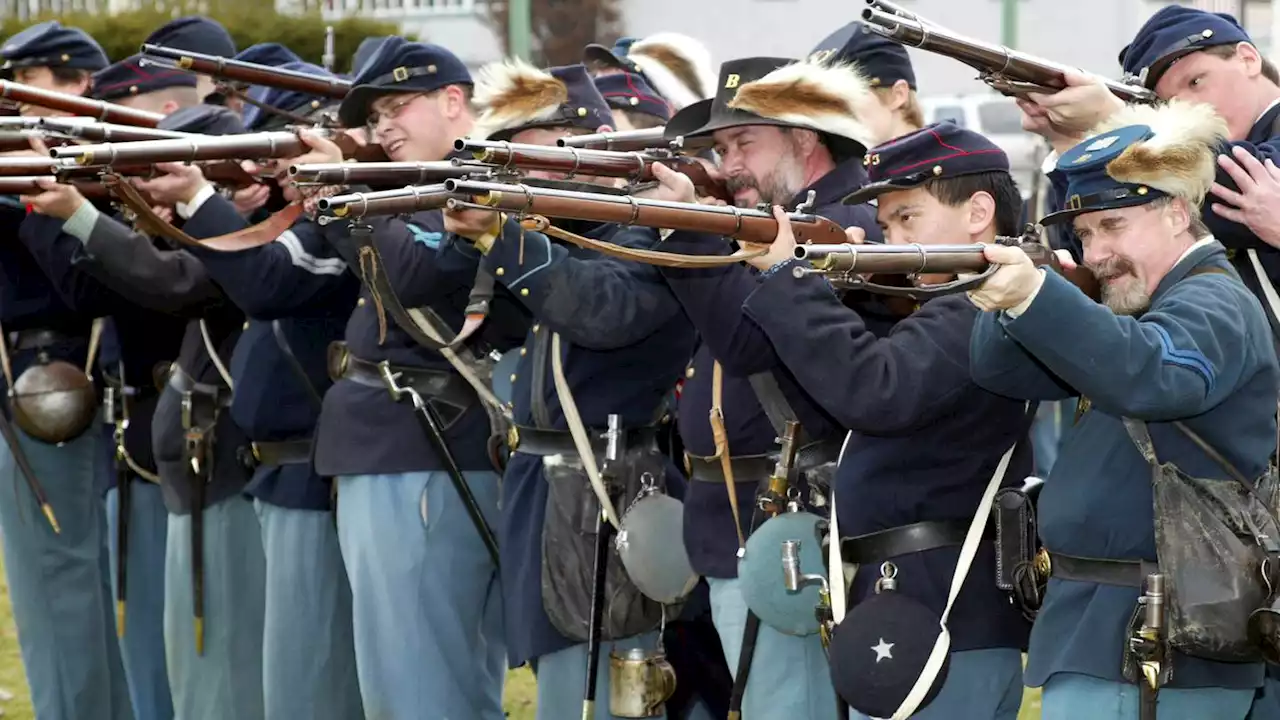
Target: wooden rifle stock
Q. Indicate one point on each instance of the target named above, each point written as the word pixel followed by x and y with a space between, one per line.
pixel 636 167
pixel 24 165
pixel 77 105
pixel 246 72
pixel 26 185
pixel 250 146
pixel 380 174
pixel 221 172
pixel 1008 71
pixel 753 226
pixel 634 141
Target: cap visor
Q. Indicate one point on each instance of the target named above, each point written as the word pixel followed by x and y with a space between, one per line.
pixel 1057 218
pixel 594 56
pixel 871 191
pixel 354 110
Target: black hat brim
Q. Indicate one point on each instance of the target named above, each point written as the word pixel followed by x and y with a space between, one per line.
pixel 1062 216
pixel 354 110
pixel 596 54
pixel 871 191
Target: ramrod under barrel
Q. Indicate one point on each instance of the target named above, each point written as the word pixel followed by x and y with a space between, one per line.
pixel 383 173
pixel 386 202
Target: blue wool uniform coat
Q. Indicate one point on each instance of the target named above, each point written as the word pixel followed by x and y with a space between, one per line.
pixel 299 281
pixel 361 429
pixel 713 299
pixel 174 282
pixel 624 343
pixel 1201 354
pixel 924 441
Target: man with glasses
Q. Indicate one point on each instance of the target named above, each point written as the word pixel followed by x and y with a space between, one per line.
pixel 425 600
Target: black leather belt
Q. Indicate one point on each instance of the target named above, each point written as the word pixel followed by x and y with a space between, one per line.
pixel 917 537
pixel 532 441
pixel 440 385
pixel 757 468
pixel 283 452
pixel 38 338
pixel 1124 573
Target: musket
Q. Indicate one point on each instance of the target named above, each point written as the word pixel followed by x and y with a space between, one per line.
pixel 245 72
pixel 24 165
pixel 753 226
pixel 848 267
pixel 77 105
pixel 386 202
pixel 1008 71
pixel 250 146
pixel 635 140
pixel 222 172
pixel 26 185
pixel 382 174
pixel 636 167
pixel 104 132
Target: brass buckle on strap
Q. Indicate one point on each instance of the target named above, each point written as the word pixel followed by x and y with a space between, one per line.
pixel 1042 564
pixel 513 438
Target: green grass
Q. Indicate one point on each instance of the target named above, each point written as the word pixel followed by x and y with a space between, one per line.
pixel 520 692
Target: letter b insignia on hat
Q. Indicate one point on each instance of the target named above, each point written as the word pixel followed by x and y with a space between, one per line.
pixel 732 81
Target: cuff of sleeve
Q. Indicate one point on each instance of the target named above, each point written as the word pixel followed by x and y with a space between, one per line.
pixel 186 210
pixel 80 224
pixel 485 242
pixel 1021 307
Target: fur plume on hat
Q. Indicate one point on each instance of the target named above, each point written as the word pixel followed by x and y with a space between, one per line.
pixel 512 93
pixel 1179 158
pixel 678 67
pixel 829 98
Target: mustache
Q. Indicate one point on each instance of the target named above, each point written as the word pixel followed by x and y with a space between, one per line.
pixel 741 182
pixel 1112 267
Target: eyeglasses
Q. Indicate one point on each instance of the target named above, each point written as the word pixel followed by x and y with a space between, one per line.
pixel 392 111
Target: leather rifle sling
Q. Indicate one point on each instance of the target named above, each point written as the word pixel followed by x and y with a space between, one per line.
pixel 146 219
pixel 648 257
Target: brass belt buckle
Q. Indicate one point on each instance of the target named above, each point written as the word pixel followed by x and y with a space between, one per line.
pixel 1042 564
pixel 513 438
pixel 253 448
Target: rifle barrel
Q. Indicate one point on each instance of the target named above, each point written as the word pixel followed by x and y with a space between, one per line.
pixel 387 202
pixel 251 73
pixel 634 141
pixel 76 105
pixel 22 166
pixel 264 145
pixel 26 185
pixel 893 259
pixel 995 62
pixel 107 132
pixel 383 173
pixel 747 225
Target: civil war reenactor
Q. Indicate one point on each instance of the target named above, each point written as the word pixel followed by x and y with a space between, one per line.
pixel 677 66
pixel 1205 57
pixel 214 562
pixel 1175 367
pixel 54 534
pixel 197 34
pixel 771 155
pixel 144 340
pixel 608 345
pixel 297 294
pixel 426 601
pixel 887 68
pixel 911 407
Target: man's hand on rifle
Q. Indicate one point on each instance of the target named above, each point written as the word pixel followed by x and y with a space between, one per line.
pixel 1012 286
pixel 1256 202
pixel 323 150
pixel 1065 116
pixel 481 227
pixel 179 183
pixel 55 199
pixel 781 250
pixel 672 186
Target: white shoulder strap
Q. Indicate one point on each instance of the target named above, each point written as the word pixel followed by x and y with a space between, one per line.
pixel 967 552
pixel 835 563
pixel 1268 290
